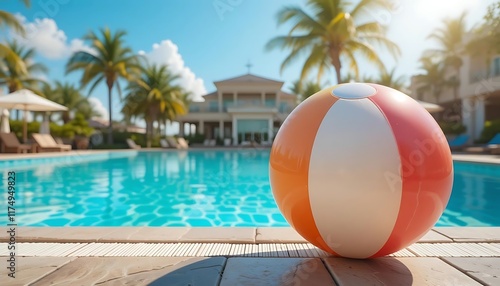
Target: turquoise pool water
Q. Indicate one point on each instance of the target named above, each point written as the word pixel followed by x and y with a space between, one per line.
pixel 190 188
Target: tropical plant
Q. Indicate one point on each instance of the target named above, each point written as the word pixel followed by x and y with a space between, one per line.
pixel 110 60
pixel 388 79
pixel 486 39
pixel 296 87
pixel 350 77
pixel 450 37
pixel 15 78
pixel 87 110
pixel 9 20
pixel 331 34
pixel 70 96
pixel 433 79
pixel 490 27
pixel 305 89
pixel 155 97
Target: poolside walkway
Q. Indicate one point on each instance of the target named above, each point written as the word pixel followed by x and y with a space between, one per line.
pixel 239 256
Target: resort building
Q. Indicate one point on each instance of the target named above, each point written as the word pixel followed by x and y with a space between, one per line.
pixel 476 97
pixel 242 110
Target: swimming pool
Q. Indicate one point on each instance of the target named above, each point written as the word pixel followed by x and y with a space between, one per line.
pixel 190 188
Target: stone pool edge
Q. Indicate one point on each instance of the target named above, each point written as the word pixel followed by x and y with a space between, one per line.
pixel 215 234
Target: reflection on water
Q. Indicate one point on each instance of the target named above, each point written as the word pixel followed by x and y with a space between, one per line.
pixel 195 188
pixel 182 188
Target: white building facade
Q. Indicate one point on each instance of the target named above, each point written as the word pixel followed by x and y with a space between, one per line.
pixel 247 108
pixel 477 98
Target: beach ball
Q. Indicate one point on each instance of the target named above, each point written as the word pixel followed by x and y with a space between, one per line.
pixel 361 170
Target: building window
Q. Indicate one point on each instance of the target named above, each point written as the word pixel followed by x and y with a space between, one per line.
pixel 213 106
pixel 270 102
pixel 252 130
pixel 227 103
pixel 194 108
pixel 496 66
pixel 283 107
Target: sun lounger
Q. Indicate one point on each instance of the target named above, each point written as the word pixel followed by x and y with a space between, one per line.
pixel 490 147
pixel 493 146
pixel 182 143
pixel 494 149
pixel 131 144
pixel 46 143
pixel 459 142
pixel 245 143
pixel 172 143
pixel 495 140
pixel 10 144
pixel 164 143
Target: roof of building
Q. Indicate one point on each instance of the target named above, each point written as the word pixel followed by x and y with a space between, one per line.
pixel 288 94
pixel 210 94
pixel 248 78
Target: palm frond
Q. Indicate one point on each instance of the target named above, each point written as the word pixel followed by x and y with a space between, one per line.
pixel 9 20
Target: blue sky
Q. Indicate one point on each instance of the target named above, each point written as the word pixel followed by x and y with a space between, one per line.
pixel 209 40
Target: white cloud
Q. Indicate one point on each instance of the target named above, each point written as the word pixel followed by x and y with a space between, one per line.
pixel 47 39
pixel 99 107
pixel 167 53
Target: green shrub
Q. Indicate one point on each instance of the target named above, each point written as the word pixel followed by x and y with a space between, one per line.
pixel 78 126
pixel 62 131
pixel 219 141
pixel 452 128
pixel 113 146
pixel 120 139
pixel 16 126
pixel 491 128
pixel 195 138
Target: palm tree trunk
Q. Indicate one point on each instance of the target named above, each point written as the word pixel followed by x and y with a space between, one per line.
pixel 335 60
pixel 65 117
pixel 457 86
pixel 13 88
pixel 149 131
pixel 110 109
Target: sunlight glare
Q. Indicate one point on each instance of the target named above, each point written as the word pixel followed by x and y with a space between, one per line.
pixel 444 8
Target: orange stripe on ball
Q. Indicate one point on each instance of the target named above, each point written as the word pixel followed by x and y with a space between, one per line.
pixel 289 165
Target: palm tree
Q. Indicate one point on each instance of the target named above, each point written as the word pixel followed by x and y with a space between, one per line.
pixel 389 79
pixel 111 61
pixel 68 95
pixel 296 87
pixel 164 118
pixel 433 79
pixel 305 89
pixel 450 38
pixel 486 40
pixel 9 20
pixel 87 110
pixel 155 97
pixel 15 78
pixel 330 34
pixel 350 77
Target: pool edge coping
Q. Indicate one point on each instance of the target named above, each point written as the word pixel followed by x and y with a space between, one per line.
pixel 250 235
pixel 477 158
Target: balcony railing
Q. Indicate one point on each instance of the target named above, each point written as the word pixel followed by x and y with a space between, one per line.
pixel 202 109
